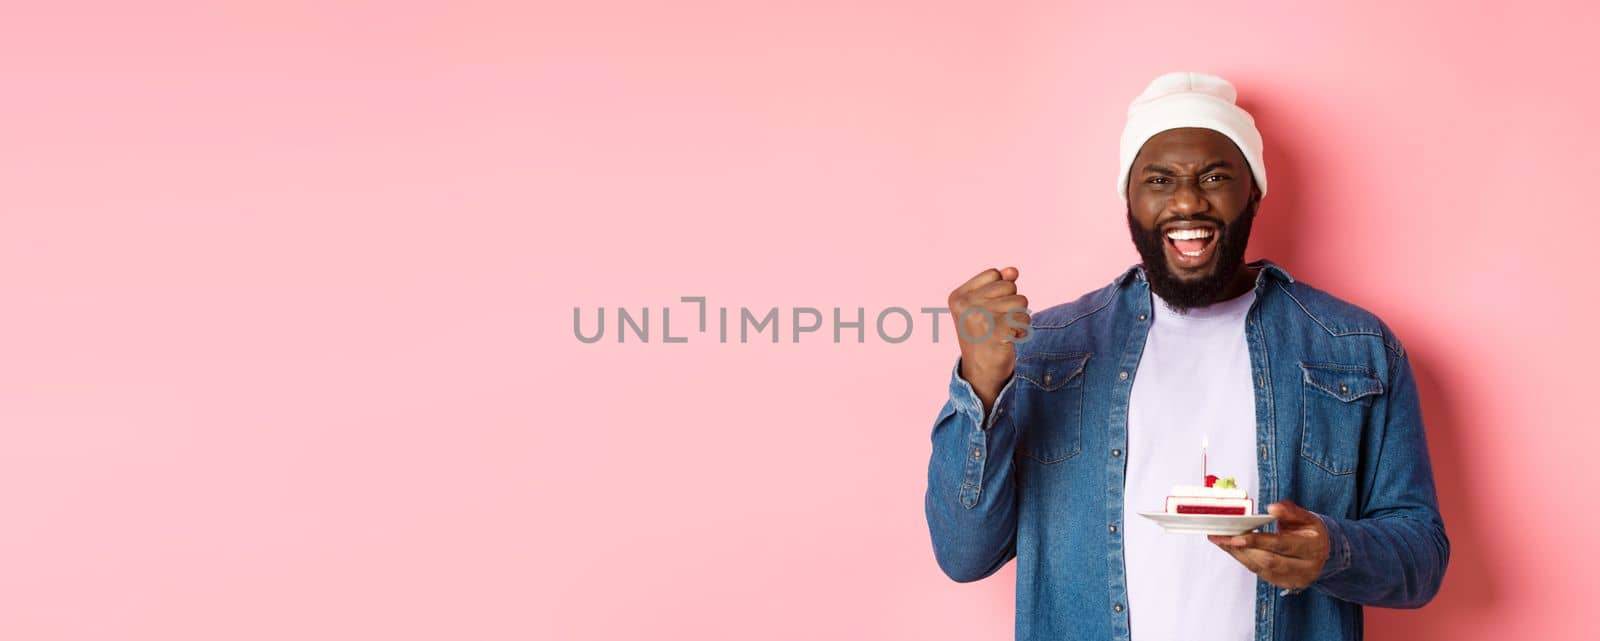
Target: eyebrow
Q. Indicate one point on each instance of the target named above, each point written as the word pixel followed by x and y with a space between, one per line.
pixel 1164 170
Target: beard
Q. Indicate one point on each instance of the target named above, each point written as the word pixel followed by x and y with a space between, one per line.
pixel 1183 295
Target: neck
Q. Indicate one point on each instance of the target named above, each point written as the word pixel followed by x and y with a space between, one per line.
pixel 1244 280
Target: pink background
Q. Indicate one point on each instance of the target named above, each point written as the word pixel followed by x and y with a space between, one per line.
pixel 286 349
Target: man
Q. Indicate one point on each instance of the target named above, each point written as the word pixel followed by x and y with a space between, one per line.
pixel 1061 425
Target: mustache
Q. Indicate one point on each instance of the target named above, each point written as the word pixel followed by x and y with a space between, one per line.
pixel 1202 218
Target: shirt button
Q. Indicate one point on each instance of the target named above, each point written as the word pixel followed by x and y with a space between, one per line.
pixel 1047 378
pixel 1343 389
pixel 1117 608
pixel 1112 528
pixel 1116 452
pixel 1141 317
pixel 977 453
pixel 1122 375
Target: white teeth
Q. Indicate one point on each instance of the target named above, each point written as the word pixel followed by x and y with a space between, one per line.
pixel 1192 254
pixel 1188 234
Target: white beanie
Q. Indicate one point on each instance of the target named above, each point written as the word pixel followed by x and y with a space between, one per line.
pixel 1189 99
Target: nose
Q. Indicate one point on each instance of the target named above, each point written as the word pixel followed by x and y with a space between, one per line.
pixel 1187 198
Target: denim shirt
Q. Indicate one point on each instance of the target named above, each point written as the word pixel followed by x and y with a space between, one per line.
pixel 1040 478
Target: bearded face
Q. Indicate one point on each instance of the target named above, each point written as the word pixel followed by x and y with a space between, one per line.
pixel 1191 201
pixel 1186 289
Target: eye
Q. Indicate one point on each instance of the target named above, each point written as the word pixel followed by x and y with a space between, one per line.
pixel 1216 178
pixel 1157 180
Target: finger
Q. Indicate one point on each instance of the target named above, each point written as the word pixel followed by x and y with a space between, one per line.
pixel 1282 571
pixel 996 289
pixel 1279 570
pixel 1017 321
pixel 1016 331
pixel 1295 544
pixel 1009 315
pixel 1009 273
pixel 1291 516
pixel 1244 559
pixel 1013 303
pixel 1262 562
pixel 982 278
pixel 1284 544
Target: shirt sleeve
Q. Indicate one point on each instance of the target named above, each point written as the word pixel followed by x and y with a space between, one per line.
pixel 1394 553
pixel 971 497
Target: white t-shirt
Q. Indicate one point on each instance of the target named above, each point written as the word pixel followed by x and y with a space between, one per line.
pixel 1193 383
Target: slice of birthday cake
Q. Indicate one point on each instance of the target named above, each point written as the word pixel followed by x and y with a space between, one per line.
pixel 1218 496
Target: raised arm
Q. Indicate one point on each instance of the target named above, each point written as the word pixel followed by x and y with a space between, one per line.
pixel 971 497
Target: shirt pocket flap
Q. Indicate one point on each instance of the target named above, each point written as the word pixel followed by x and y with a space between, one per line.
pixel 1050 370
pixel 1348 383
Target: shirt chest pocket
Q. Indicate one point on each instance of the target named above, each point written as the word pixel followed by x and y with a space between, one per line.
pixel 1049 405
pixel 1335 401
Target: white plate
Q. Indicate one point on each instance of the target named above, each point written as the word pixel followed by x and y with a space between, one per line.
pixel 1225 524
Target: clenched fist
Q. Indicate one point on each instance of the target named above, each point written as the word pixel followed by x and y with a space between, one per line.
pixel 989 315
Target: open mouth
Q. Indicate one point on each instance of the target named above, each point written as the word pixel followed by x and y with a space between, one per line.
pixel 1191 246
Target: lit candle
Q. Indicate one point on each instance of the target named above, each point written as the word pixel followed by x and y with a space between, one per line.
pixel 1205 441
